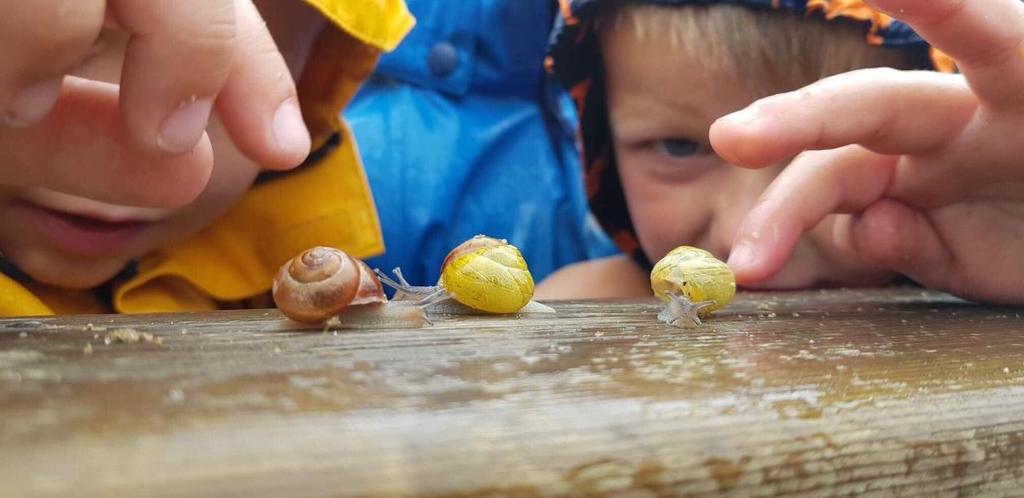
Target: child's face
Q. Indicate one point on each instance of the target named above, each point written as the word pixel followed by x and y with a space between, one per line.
pixel 76 242
pixel 678 191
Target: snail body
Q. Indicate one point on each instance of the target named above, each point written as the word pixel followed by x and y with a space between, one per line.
pixel 693 283
pixel 483 274
pixel 326 284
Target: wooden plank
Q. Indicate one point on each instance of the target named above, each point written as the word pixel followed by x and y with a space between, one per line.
pixel 880 392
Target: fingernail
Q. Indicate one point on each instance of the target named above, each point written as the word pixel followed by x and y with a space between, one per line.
pixel 741 256
pixel 181 131
pixel 742 117
pixel 33 103
pixel 290 130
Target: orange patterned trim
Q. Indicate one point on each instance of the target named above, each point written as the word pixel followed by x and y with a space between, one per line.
pixel 857 9
pixel 570 20
pixel 626 241
pixel 853 9
pixel 943 63
pixel 579 95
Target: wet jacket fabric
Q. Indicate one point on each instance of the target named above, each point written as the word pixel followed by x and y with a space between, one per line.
pixel 462 132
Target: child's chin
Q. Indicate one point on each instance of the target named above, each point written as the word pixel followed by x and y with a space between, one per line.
pixel 71 274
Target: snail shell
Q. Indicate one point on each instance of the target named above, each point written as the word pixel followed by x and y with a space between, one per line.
pixel 370 290
pixel 706 283
pixel 473 244
pixel 488 274
pixel 321 282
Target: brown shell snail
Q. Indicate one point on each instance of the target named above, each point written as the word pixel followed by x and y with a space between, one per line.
pixel 324 283
pixel 693 283
pixel 483 273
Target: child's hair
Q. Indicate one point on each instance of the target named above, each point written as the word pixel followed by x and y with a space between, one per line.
pixel 759 48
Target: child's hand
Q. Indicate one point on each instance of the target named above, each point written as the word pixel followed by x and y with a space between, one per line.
pixel 935 180
pixel 143 142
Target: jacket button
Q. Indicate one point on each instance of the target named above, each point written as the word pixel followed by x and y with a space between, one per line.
pixel 443 59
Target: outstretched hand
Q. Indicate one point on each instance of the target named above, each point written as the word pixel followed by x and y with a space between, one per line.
pixel 929 167
pixel 142 142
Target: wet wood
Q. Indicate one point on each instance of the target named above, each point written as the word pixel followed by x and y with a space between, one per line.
pixel 866 393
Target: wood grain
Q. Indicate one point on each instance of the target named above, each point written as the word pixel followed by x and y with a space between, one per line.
pixel 833 393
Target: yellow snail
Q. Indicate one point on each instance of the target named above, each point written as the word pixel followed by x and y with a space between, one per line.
pixel 482 273
pixel 324 283
pixel 693 284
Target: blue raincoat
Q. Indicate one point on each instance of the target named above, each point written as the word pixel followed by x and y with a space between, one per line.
pixel 462 132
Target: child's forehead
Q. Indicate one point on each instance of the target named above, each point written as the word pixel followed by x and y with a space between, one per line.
pixel 647 39
pixel 572 44
pixel 763 50
pixel 650 69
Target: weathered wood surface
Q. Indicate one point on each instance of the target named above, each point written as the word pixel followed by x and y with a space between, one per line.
pixel 867 393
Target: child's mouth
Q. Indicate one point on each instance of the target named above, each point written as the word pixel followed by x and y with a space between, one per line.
pixel 84 235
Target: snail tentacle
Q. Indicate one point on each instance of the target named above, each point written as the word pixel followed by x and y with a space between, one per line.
pixel 401 278
pixel 402 286
pixel 403 290
pixel 681 312
pixel 435 297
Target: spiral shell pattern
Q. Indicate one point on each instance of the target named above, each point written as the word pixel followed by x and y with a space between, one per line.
pixel 323 281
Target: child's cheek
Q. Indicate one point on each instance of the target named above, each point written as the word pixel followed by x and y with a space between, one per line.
pixel 233 176
pixel 666 215
pixel 233 172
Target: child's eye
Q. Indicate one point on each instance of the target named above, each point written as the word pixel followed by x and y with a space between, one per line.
pixel 674 147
